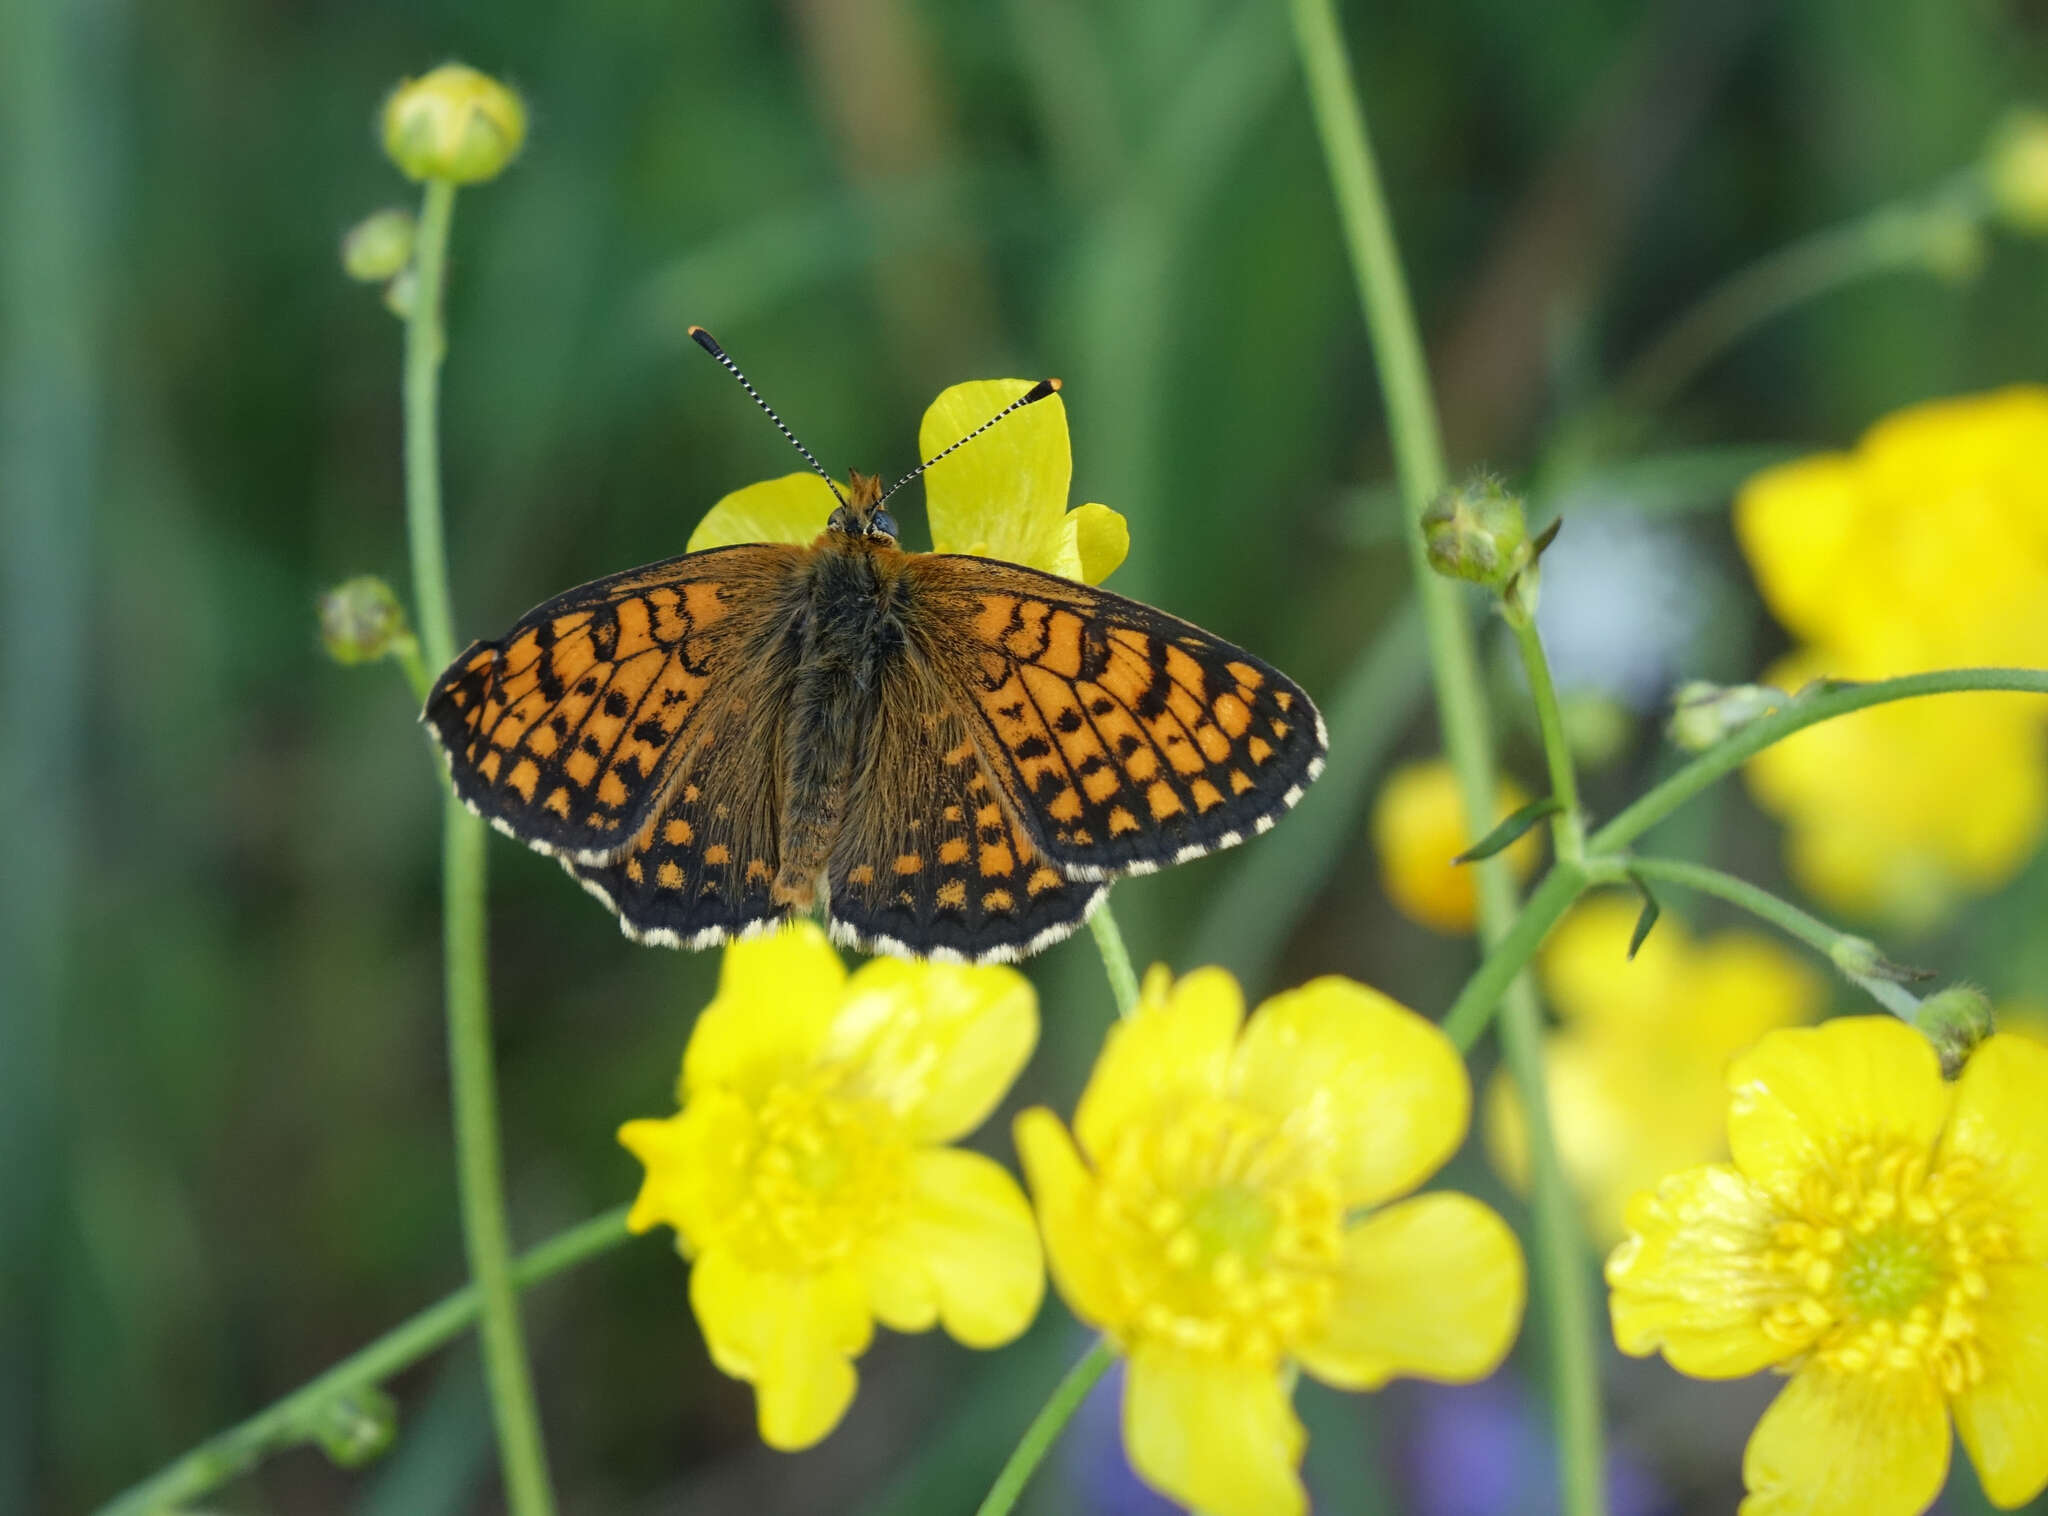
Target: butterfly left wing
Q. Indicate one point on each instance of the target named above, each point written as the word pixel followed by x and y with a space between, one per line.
pixel 1124 738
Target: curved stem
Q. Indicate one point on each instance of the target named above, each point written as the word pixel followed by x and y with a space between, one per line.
pixel 1844 951
pixel 1474 1007
pixel 1564 1281
pixel 479 1166
pixel 1814 704
pixel 1045 1428
pixel 1568 826
pixel 285 1422
pixel 1116 958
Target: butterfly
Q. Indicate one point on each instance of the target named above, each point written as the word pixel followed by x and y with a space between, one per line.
pixel 948 754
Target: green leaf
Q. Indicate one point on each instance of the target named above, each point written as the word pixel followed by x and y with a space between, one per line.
pixel 1510 831
pixel 1644 922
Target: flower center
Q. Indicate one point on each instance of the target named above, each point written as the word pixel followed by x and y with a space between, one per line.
pixel 825 1171
pixel 1226 1233
pixel 1880 1267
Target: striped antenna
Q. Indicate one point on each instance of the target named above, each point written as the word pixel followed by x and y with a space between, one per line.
pixel 710 345
pixel 1036 393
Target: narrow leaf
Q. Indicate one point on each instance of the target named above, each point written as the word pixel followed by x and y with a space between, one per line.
pixel 1510 831
pixel 1644 922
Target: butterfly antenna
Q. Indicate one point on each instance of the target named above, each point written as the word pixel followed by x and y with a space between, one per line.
pixel 710 345
pixel 1036 393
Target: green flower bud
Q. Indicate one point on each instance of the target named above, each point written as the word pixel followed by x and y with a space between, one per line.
pixel 377 246
pixel 2016 170
pixel 362 621
pixel 1955 1021
pixel 454 124
pixel 1477 532
pixel 400 293
pixel 355 1428
pixel 1704 713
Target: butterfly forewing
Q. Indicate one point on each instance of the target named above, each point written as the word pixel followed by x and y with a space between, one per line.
pixel 1125 738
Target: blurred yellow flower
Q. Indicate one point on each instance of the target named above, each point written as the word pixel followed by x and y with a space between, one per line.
pixel 1207 1223
pixel 1882 1238
pixel 1636 1070
pixel 1419 826
pixel 807 1174
pixel 1925 548
pixel 1004 497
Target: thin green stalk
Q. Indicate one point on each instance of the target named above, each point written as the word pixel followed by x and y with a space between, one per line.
pixel 1564 1281
pixel 1814 704
pixel 1568 826
pixel 479 1166
pixel 406 651
pixel 1848 953
pixel 287 1422
pixel 1046 1427
pixel 1116 958
pixel 1473 1009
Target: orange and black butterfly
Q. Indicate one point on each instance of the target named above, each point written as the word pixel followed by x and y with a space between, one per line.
pixel 949 754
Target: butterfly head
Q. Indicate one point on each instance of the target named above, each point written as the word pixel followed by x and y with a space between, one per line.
pixel 862 514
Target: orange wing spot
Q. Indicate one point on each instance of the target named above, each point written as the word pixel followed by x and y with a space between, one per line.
pixel 581 767
pixel 558 802
pixel 524 776
pixel 575 621
pixel 1240 782
pixel 1280 730
pixel 958 754
pixel 997 861
pixel 1231 713
pixel 1121 822
pixel 678 832
pixel 1247 676
pixel 953 813
pixel 1066 805
pixel 1029 638
pixel 668 625
pixel 1042 880
pixel 1207 796
pixel 994 619
pixel 638 874
pixel 1103 783
pixel 1214 745
pixel 1080 836
pixel 864 874
pixel 908 863
pixel 1184 705
pixel 1283 699
pixel 692 794
pixel 544 741
pixel 907 900
pixel 999 901
pixel 1062 653
pixel 718 852
pixel 488 766
pixel 611 790
pixel 703 603
pixel 758 871
pixel 1260 749
pixel 988 815
pixel 1161 800
pixel 669 876
pixel 1143 764
pixel 1183 670
pixel 953 894
pixel 635 629
pixel 953 851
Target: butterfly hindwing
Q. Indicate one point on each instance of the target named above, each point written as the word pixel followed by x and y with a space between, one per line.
pixel 566 732
pixel 1127 739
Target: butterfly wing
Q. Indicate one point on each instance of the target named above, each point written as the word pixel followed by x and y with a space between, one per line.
pixel 567 733
pixel 1125 739
pixel 930 860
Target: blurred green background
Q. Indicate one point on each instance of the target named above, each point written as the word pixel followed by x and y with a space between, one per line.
pixel 223 1124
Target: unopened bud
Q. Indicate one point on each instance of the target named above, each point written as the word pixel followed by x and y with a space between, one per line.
pixel 1477 532
pixel 361 620
pixel 454 124
pixel 1704 713
pixel 355 1428
pixel 1955 1021
pixel 377 246
pixel 2016 170
pixel 400 293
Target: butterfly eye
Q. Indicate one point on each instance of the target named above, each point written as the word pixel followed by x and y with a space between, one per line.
pixel 840 522
pixel 883 524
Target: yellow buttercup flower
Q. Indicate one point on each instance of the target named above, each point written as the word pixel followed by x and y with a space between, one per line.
pixel 1005 497
pixel 1882 1238
pixel 807 1174
pixel 1636 1068
pixel 1419 825
pixel 1927 547
pixel 1208 1223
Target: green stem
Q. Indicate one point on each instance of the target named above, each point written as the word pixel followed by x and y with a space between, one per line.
pixel 1840 948
pixel 1046 1427
pixel 286 1422
pixel 1568 826
pixel 1812 705
pixel 1564 1281
pixel 1116 958
pixel 1488 986
pixel 406 651
pixel 479 1166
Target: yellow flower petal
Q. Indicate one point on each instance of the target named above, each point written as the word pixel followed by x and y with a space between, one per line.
pixel 2003 1418
pixel 1176 1043
pixel 696 1162
pixel 1591 978
pixel 792 1336
pixel 1371 1084
pixel 1064 1193
pixel 965 1253
pixel 1796 523
pixel 1688 1279
pixel 1848 1445
pixel 1799 1095
pixel 939 1044
pixel 1432 1287
pixel 1004 496
pixel 1999 1122
pixel 1214 1433
pixel 1419 825
pixel 793 508
pixel 774 1008
pixel 1093 540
